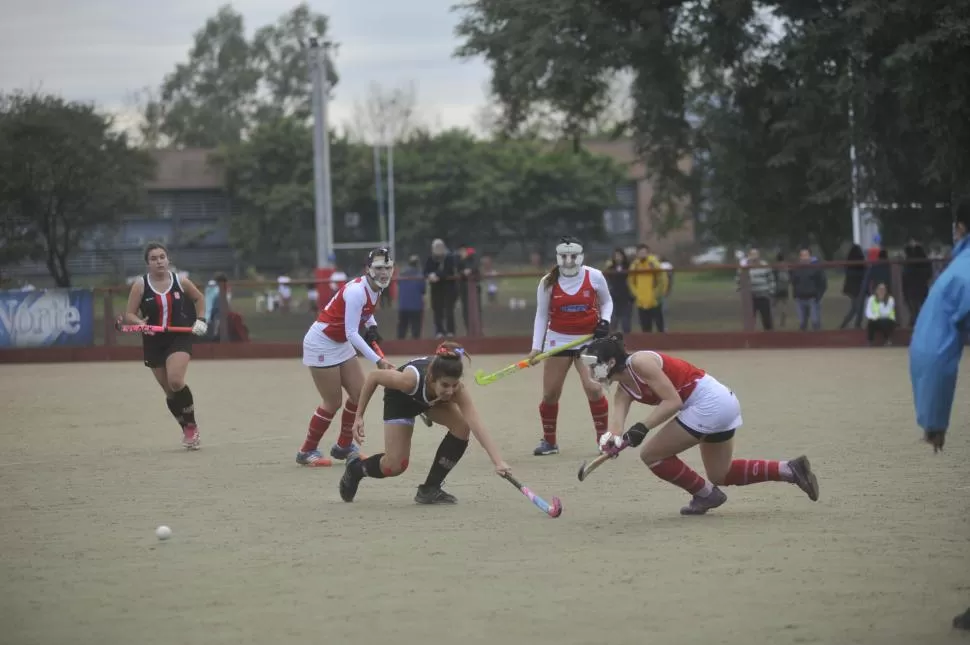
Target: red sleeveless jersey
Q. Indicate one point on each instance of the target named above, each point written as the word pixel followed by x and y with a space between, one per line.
pixel 335 311
pixel 682 374
pixel 574 314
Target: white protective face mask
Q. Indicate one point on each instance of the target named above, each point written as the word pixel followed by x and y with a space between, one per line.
pixel 599 371
pixel 569 257
pixel 381 271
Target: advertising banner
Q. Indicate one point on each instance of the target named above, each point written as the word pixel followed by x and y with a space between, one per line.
pixel 46 318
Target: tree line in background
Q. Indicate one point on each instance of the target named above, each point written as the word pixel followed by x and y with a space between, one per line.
pixel 745 111
pixel 756 96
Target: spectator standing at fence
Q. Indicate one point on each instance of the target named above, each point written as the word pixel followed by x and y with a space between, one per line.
pixel 762 279
pixel 410 299
pixel 491 275
pixel 808 286
pixel 617 278
pixel 917 275
pixel 782 296
pixel 469 273
pixel 441 271
pixel 648 289
pixel 167 300
pixel 881 315
pixel 881 272
pixel 852 286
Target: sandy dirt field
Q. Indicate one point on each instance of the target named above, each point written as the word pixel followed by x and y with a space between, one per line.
pixel 266 552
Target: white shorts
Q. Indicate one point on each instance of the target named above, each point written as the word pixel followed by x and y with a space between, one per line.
pixel 711 408
pixel 554 339
pixel 320 350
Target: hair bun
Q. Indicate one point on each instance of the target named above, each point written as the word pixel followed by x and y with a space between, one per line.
pixel 450 349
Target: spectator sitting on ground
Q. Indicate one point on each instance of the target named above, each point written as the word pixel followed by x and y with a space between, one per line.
pixel 881 313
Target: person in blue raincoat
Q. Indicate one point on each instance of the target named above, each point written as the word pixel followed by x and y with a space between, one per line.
pixel 937 346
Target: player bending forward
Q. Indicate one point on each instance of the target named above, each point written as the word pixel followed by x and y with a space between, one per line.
pixel 707 413
pixel 429 385
pixel 573 301
pixel 330 351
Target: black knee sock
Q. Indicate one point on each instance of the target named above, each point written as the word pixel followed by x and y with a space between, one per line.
pixel 449 453
pixel 370 467
pixel 173 407
pixel 183 403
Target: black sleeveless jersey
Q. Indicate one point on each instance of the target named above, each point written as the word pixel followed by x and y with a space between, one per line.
pixel 407 405
pixel 170 308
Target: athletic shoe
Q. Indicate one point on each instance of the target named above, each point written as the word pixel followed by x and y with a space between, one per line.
pixel 545 448
pixel 700 505
pixel 350 481
pixel 190 437
pixel 803 477
pixel 433 495
pixel 313 458
pixel 340 453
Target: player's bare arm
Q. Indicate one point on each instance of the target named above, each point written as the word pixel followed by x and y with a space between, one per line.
pixel 470 414
pixel 648 368
pixel 134 303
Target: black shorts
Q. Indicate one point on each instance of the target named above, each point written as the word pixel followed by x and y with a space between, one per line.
pixel 569 353
pixel 159 347
pixel 715 437
pixel 398 405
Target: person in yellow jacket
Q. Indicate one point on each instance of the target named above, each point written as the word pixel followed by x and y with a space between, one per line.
pixel 648 289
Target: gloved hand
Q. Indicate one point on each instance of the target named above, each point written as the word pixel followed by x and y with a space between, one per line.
pixel 611 445
pixel 636 434
pixel 371 335
pixel 602 329
pixel 200 327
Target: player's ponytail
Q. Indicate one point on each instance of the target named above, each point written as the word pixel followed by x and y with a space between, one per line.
pixel 551 278
pixel 447 361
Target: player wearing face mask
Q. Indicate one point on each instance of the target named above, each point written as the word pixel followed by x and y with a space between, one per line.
pixel 573 301
pixel 691 408
pixel 330 350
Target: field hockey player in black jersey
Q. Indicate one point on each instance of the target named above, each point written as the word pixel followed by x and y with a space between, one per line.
pixel 430 385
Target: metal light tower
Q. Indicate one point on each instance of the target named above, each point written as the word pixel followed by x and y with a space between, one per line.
pixel 318 57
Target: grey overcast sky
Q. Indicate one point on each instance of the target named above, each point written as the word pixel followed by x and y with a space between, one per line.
pixel 104 50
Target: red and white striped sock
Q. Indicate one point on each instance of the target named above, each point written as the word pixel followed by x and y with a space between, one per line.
pixel 675 471
pixel 754 471
pixel 319 423
pixel 347 425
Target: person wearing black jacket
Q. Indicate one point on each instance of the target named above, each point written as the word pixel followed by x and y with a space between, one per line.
pixel 617 278
pixel 852 287
pixel 917 275
pixel 441 270
pixel 468 273
pixel 808 284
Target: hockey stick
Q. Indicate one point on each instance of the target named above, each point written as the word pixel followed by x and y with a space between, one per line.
pixel 152 329
pixel 552 510
pixel 588 467
pixel 484 379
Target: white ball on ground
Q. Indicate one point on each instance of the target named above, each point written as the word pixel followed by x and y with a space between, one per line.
pixel 163 532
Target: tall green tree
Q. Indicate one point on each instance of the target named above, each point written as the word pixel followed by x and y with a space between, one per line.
pixel 64 176
pixel 230 82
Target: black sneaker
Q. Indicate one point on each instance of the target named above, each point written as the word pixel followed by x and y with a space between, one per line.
pixel 962 621
pixel 432 495
pixel 350 480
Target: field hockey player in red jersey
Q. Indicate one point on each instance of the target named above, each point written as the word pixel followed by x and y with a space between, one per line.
pixel 165 300
pixel 573 301
pixel 430 385
pixel 704 412
pixel 330 350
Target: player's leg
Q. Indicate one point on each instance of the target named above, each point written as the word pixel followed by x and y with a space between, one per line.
pixel 327 382
pixel 660 452
pixel 181 402
pixel 450 451
pixel 352 379
pixel 599 405
pixel 554 370
pixel 390 463
pixel 717 450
